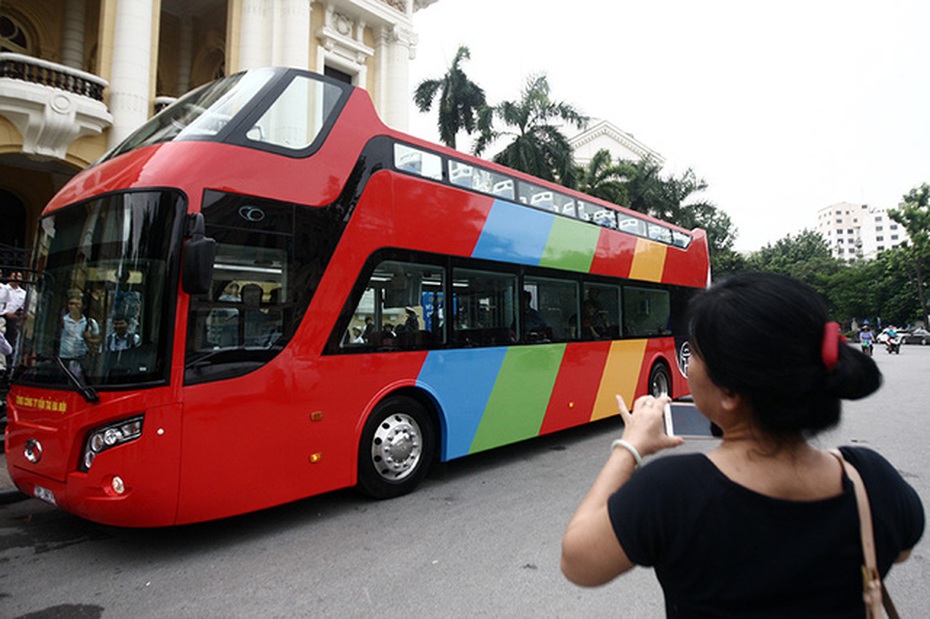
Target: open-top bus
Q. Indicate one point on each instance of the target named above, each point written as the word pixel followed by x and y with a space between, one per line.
pixel 307 300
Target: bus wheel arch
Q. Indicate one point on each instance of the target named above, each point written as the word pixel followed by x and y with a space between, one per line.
pixel 660 380
pixel 398 445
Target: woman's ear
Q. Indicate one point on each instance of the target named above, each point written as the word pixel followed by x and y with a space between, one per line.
pixel 731 401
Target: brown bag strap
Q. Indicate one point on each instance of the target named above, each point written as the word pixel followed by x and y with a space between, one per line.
pixel 874 592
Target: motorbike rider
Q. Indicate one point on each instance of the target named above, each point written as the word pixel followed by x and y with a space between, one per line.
pixel 893 340
pixel 866 338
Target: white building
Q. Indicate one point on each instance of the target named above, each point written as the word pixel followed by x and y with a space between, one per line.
pixel 77 76
pixel 602 134
pixel 857 231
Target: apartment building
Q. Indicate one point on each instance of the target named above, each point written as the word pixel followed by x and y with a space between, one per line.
pixel 858 231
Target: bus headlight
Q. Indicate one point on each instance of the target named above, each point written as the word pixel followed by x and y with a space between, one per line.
pixel 113 434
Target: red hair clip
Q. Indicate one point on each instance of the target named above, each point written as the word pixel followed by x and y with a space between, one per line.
pixel 830 348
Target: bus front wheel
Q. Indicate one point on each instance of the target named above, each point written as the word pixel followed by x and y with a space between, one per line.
pixel 396 448
pixel 660 383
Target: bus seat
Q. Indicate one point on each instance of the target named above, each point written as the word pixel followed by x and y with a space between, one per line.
pixel 251 295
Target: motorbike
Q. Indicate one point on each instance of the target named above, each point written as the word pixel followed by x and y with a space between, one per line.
pixel 893 345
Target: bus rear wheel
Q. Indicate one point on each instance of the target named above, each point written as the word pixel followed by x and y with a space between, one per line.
pixel 660 383
pixel 396 448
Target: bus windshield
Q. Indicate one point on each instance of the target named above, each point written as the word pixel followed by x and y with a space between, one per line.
pixel 102 310
pixel 236 109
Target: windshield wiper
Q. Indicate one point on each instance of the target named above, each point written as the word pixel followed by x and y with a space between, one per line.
pixel 83 388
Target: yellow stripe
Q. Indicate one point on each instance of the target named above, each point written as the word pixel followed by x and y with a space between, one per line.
pixel 648 261
pixel 621 375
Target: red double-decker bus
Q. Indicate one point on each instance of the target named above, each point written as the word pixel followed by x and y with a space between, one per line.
pixel 264 294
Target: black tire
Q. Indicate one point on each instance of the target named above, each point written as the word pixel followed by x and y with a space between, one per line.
pixel 660 383
pixel 396 448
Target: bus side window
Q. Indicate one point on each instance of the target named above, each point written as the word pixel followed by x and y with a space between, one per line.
pixel 550 311
pixel 401 309
pixel 646 311
pixel 484 307
pixel 600 312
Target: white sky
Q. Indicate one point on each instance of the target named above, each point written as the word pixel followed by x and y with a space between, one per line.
pixel 782 107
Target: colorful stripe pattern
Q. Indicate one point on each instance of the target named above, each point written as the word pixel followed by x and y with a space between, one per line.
pixel 515 233
pixel 495 396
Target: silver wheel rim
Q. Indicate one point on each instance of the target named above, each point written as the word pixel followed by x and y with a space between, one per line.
pixel 396 447
pixel 660 385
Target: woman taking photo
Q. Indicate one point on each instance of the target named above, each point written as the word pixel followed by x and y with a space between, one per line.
pixel 766 524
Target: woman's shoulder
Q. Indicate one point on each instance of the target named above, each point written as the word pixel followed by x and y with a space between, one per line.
pixel 882 479
pixel 867 461
pixel 677 468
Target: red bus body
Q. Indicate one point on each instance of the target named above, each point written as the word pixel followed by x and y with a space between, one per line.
pixel 292 427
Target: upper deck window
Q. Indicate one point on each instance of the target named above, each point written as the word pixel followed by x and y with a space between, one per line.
pixel 282 110
pixel 200 114
pixel 298 115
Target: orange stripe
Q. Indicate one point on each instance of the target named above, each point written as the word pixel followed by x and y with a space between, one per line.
pixel 648 261
pixel 621 375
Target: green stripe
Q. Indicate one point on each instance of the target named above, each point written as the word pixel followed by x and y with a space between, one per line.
pixel 571 245
pixel 518 401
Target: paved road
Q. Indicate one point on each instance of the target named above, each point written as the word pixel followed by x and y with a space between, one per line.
pixel 479 539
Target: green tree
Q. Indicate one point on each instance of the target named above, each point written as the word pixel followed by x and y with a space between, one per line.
pixel 670 198
pixel 459 99
pixel 538 146
pixel 602 178
pixel 805 256
pixel 914 215
pixel 644 186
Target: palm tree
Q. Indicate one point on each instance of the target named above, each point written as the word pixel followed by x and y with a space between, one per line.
pixel 602 178
pixel 538 147
pixel 459 99
pixel 644 186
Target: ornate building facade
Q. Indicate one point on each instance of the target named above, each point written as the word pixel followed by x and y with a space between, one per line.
pixel 77 76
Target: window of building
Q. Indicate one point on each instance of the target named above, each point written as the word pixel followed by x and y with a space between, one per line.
pixel 13 36
pixel 336 74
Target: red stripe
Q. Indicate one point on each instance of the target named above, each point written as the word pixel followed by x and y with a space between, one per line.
pixel 576 386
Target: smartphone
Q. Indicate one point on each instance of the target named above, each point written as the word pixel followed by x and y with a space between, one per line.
pixel 685 420
pixel 669 425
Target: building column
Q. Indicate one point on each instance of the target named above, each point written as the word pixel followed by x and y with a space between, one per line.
pixel 185 55
pixel 131 78
pixel 292 34
pixel 254 38
pixel 396 48
pixel 72 35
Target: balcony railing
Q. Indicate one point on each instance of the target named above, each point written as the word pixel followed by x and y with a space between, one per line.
pixel 50 105
pixel 38 71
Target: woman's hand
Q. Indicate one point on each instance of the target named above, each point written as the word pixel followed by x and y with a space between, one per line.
pixel 644 428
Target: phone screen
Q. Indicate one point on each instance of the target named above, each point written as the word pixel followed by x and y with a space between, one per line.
pixel 684 419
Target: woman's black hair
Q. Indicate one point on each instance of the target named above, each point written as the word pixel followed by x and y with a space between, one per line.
pixel 761 335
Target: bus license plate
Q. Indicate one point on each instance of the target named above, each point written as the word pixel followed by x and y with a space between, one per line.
pixel 45 494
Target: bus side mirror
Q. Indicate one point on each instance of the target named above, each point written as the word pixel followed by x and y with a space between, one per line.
pixel 199 254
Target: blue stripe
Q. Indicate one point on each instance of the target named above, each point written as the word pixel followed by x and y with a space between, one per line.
pixel 514 233
pixel 461 381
